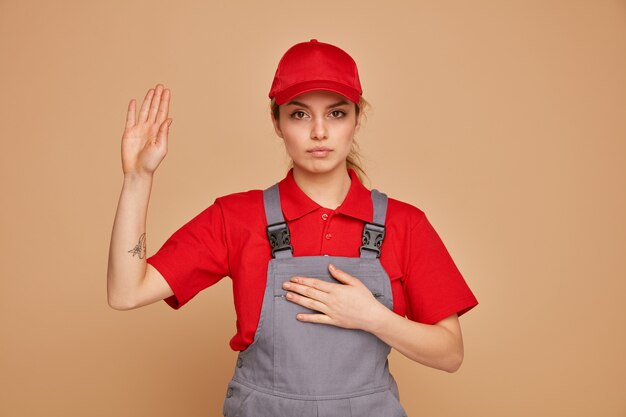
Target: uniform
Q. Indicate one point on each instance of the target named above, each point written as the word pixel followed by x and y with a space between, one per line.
pixel 413 275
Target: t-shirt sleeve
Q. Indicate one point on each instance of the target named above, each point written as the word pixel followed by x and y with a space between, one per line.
pixel 434 287
pixel 194 257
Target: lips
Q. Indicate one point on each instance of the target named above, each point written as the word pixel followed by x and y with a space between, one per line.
pixel 320 151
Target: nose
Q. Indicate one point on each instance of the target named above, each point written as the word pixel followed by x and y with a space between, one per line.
pixel 319 130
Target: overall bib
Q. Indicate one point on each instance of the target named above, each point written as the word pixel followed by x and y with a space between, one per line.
pixel 300 369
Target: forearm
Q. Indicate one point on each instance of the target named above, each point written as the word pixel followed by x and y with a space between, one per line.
pixel 431 345
pixel 127 250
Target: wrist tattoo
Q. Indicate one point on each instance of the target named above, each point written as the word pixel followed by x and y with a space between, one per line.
pixel 140 248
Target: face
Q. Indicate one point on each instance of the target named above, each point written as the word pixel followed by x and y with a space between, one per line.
pixel 321 120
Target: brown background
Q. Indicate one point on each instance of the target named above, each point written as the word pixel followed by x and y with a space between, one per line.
pixel 503 120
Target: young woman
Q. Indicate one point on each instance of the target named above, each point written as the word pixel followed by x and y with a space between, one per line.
pixel 327 275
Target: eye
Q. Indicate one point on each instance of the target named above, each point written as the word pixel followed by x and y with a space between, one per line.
pixel 341 113
pixel 293 115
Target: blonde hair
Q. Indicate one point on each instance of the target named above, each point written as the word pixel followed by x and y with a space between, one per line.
pixel 354 158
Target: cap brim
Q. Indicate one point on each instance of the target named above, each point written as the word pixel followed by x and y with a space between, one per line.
pixel 297 89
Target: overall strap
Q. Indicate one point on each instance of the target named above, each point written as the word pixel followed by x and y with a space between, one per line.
pixel 374 232
pixel 280 239
pixel 277 230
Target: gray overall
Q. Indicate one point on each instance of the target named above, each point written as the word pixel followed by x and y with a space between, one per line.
pixel 300 369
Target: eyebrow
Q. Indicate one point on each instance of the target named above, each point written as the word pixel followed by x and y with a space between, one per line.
pixel 297 103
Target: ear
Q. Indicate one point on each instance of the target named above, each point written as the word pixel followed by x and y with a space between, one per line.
pixel 358 121
pixel 276 127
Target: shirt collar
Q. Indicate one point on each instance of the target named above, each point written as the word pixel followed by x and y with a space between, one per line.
pixel 295 203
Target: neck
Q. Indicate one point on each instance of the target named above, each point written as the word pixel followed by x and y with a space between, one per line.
pixel 327 189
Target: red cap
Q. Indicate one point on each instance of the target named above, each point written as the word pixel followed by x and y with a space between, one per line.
pixel 314 65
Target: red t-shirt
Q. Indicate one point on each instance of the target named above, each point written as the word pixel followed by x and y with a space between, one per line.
pixel 229 238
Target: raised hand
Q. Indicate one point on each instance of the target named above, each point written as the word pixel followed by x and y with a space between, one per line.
pixel 144 141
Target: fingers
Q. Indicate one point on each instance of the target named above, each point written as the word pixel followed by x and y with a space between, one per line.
pixel 314 283
pixel 155 103
pixel 145 106
pixel 164 129
pixel 155 106
pixel 343 276
pixel 130 114
pixel 307 302
pixel 315 318
pixel 164 106
pixel 306 291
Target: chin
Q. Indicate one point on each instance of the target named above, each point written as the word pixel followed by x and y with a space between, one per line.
pixel 318 166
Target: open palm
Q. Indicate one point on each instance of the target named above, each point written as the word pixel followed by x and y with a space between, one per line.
pixel 144 141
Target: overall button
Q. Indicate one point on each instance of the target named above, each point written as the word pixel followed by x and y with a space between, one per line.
pixel 229 392
pixel 328 236
pixel 239 362
pixel 324 216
